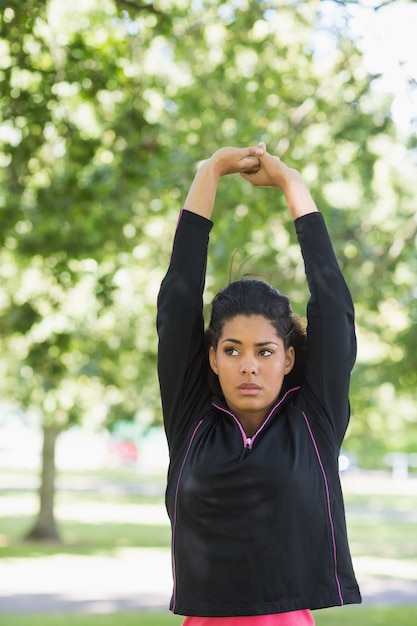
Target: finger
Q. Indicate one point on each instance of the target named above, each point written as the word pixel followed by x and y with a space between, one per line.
pixel 251 170
pixel 254 151
pixel 262 145
pixel 250 160
pixel 249 174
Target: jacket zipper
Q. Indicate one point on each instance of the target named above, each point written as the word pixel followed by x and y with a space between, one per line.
pixel 249 441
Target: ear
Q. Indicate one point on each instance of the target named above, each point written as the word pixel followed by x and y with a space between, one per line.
pixel 289 359
pixel 213 360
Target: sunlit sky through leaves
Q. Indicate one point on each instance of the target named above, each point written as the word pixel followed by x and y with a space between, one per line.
pixel 387 37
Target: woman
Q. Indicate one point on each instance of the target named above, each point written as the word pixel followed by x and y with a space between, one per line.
pixel 253 494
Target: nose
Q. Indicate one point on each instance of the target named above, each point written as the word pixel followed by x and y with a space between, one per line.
pixel 248 366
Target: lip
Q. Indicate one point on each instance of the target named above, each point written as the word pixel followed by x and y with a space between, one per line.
pixel 249 389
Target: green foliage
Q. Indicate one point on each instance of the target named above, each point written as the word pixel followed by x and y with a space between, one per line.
pixel 106 108
pixel 74 160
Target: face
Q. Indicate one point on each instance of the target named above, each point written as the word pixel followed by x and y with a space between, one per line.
pixel 251 362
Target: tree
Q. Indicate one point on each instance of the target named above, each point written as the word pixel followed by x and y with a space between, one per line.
pixel 105 113
pixel 76 152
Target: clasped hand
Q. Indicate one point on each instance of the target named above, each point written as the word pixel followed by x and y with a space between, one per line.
pixel 254 164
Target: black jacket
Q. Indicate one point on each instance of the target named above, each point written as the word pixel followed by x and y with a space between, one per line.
pixel 258 526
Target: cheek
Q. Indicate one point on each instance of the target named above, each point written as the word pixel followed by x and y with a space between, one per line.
pixel 221 365
pixel 278 371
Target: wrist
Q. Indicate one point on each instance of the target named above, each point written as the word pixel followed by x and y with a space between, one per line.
pixel 298 197
pixel 213 167
pixel 294 184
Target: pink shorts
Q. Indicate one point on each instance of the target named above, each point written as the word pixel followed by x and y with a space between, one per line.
pixel 294 618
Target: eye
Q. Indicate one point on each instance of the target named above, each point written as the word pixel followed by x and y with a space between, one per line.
pixel 266 352
pixel 231 351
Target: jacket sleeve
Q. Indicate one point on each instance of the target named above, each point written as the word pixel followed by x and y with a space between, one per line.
pixel 182 361
pixel 331 340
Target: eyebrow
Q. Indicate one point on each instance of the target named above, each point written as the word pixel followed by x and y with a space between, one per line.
pixel 259 344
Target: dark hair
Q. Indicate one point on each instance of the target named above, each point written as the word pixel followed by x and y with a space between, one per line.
pixel 256 297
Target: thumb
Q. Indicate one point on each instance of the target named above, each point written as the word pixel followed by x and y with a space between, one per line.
pixel 262 145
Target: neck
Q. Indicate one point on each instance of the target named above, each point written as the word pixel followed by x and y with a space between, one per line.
pixel 251 422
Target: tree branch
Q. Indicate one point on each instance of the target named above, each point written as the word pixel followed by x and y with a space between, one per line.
pixel 131 4
pixel 377 7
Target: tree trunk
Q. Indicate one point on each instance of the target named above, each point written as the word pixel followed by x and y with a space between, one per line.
pixel 45 528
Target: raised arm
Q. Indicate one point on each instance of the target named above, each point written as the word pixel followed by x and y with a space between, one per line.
pixel 181 354
pixel 331 341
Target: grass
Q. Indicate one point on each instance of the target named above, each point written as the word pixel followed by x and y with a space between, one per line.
pixel 101 491
pixel 383 540
pixel 349 616
pixel 80 538
pixel 382 525
pixel 365 616
pixel 121 619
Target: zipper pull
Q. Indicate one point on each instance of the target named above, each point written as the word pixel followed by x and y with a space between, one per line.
pixel 246 448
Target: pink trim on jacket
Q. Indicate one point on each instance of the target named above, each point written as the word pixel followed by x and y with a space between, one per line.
pixel 174 523
pixel 329 508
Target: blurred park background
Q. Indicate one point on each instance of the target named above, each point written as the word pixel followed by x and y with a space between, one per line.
pixel 107 107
